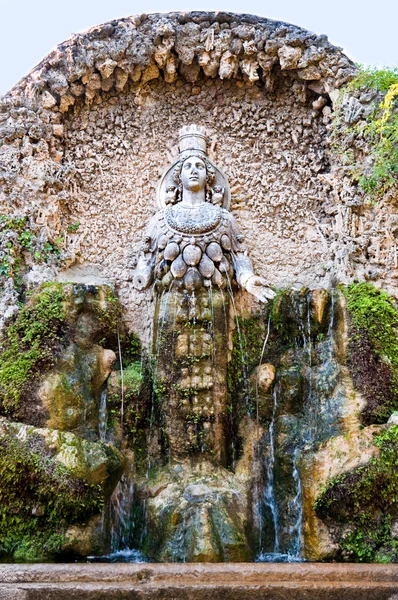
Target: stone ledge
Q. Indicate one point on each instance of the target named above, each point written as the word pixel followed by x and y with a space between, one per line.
pixel 232 581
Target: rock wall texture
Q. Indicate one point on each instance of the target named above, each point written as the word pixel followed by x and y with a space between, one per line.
pixel 85 137
pixel 87 134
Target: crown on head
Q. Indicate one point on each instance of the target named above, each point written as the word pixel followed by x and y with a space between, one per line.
pixel 192 138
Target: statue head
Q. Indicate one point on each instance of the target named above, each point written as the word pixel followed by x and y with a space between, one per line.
pixel 193 171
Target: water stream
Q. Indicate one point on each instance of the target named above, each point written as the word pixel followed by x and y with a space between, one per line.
pixel 269 492
pixel 103 416
pixel 299 421
pixel 299 417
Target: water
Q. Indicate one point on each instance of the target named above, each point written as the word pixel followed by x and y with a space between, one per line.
pixel 261 362
pixel 296 511
pixel 118 522
pixel 305 411
pixel 102 421
pixel 120 556
pixel 210 295
pixel 269 492
pixel 288 440
pixel 277 557
pixel 120 512
pixel 242 347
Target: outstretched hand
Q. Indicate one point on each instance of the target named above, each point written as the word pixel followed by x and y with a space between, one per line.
pixel 257 286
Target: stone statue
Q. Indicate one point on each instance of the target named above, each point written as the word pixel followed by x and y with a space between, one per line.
pixel 194 241
pixel 195 256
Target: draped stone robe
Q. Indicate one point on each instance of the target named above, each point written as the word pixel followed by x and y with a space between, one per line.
pixel 193 264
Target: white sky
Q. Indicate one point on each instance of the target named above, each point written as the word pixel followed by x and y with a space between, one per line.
pixel 30 29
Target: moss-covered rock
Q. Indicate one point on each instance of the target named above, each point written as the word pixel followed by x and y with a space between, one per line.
pixel 360 506
pixel 334 457
pixel 373 349
pixel 39 497
pixel 57 353
pixel 50 480
pixel 30 346
pixel 71 391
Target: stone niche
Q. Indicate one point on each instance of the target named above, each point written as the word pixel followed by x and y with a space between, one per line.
pixel 84 141
pixel 87 134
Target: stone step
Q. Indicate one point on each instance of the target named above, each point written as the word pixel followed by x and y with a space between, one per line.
pixel 233 581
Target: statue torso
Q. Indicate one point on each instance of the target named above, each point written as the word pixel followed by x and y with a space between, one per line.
pixel 194 246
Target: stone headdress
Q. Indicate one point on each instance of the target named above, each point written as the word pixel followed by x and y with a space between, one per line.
pixel 193 141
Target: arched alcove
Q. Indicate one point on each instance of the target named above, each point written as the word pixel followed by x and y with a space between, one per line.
pixel 88 132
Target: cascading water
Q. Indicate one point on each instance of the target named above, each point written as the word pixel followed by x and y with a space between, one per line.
pixel 296 512
pixel 119 519
pixel 299 416
pixel 269 492
pixel 102 420
pixel 306 405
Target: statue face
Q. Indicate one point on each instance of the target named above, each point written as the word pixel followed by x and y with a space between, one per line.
pixel 193 174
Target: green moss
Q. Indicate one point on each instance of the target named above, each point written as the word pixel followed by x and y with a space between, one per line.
pixel 39 498
pixel 373 349
pixel 133 378
pixel 375 312
pixel 365 502
pixel 30 344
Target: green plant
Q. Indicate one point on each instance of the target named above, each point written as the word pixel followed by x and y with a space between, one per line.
pixel 20 245
pixel 73 227
pixel 374 78
pixel 379 129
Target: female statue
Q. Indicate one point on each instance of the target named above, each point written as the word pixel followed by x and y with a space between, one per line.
pixel 194 255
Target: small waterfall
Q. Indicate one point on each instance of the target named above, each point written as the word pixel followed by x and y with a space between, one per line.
pixel 306 405
pixel 103 416
pixel 294 508
pixel 121 503
pixel 296 513
pixel 269 492
pixel 119 523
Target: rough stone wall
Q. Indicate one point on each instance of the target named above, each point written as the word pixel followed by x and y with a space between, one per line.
pixel 364 237
pixel 86 135
pixel 271 149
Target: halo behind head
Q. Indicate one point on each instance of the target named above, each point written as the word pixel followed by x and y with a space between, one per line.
pixel 193 142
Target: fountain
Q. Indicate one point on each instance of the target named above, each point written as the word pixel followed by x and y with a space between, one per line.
pixel 198 365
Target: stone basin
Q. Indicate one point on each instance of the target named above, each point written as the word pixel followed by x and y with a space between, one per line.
pixel 234 581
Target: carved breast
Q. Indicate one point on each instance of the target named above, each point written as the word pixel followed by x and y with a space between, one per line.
pixel 194 248
pixel 193 220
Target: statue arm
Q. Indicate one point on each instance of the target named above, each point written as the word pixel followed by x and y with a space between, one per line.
pixel 143 274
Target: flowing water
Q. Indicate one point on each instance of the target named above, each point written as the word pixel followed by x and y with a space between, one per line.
pixel 306 410
pixel 102 420
pixel 302 411
pixel 269 492
pixel 119 523
pixel 242 346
